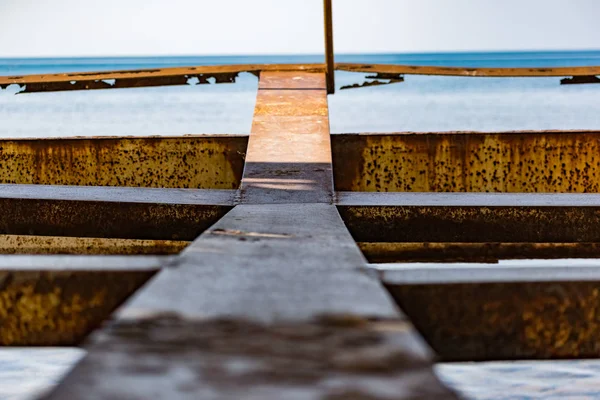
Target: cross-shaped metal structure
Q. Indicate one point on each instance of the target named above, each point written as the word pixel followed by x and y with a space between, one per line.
pixel 248 254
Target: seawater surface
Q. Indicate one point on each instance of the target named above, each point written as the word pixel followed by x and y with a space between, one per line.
pixel 420 104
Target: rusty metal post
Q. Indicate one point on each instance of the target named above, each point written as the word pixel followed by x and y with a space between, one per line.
pixel 330 65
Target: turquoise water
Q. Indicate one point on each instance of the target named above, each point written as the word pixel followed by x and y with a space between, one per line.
pixel 419 104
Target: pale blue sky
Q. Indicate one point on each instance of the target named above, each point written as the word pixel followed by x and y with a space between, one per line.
pixel 201 27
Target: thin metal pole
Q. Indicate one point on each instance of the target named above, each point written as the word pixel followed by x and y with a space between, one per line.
pixel 329 61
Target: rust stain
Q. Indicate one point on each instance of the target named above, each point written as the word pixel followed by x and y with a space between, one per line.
pixel 98 219
pixel 145 77
pixel 199 162
pixel 516 162
pixel 543 224
pixel 27 244
pixel 44 308
pixel 497 321
pixel 462 71
pixel 391 252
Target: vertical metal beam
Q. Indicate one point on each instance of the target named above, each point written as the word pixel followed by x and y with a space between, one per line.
pixel 329 60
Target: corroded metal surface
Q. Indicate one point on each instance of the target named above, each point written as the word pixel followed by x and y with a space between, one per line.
pixel 289 151
pixel 378 79
pixel 268 263
pixel 54 306
pixel 500 314
pixel 542 161
pixel 332 358
pixel 578 80
pixel 393 252
pixel 471 217
pixel 27 244
pixel 228 74
pixel 291 80
pixel 144 77
pixel 462 71
pixel 329 52
pixel 102 219
pixel 285 265
pixel 195 161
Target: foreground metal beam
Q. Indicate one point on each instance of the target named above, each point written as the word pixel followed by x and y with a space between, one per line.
pixel 471 217
pixel 512 311
pixel 58 300
pixel 522 161
pixel 110 212
pixel 144 77
pixel 280 290
pixel 468 72
pixel 191 161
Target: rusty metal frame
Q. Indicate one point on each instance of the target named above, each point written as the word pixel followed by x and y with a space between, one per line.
pixel 282 199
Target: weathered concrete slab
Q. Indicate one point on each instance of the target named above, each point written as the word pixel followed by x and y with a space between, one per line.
pixel 54 301
pixel 97 212
pixel 511 311
pixel 471 217
pixel 194 161
pixel 528 161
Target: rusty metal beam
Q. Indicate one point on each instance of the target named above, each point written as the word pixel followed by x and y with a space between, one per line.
pixel 144 77
pixel 58 300
pixel 289 150
pixel 228 74
pixel 507 312
pixel 471 217
pixel 468 72
pixel 522 161
pixel 329 52
pixel 28 244
pixel 192 161
pixel 400 252
pixel 110 212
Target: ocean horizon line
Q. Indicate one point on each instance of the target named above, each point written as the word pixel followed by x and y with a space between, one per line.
pixel 306 55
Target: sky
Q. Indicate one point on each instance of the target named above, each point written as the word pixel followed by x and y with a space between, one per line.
pixel 49 28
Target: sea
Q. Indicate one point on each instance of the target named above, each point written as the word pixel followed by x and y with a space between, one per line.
pixel 420 104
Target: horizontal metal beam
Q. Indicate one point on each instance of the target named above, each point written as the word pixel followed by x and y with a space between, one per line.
pixel 228 74
pixel 145 77
pixel 471 217
pixel 109 212
pixel 468 72
pixel 398 252
pixel 193 161
pixel 520 161
pixel 512 311
pixel 28 244
pixel 59 300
